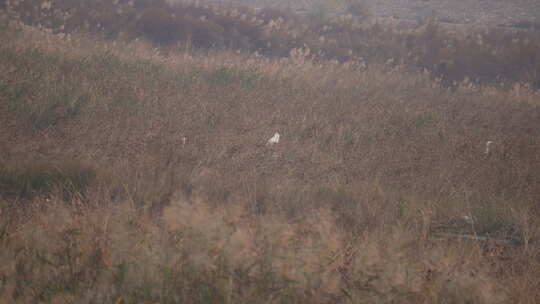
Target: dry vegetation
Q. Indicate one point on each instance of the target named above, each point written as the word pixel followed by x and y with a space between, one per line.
pixel 136 174
pixel 491 56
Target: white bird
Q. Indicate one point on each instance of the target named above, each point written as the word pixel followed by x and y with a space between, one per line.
pixel 468 218
pixel 273 140
pixel 488 147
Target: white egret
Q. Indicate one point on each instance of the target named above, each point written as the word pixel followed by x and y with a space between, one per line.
pixel 488 147
pixel 274 140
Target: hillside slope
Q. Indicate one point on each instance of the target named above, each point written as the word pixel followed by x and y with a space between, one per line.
pixel 130 176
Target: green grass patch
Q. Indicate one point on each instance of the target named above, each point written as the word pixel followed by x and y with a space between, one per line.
pixel 224 76
pixel 31 182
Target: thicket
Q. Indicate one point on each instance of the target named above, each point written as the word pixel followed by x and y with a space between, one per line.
pixel 499 57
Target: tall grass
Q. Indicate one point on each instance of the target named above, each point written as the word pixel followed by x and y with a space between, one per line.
pixel 379 190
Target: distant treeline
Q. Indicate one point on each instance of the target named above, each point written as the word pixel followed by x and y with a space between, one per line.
pixel 494 56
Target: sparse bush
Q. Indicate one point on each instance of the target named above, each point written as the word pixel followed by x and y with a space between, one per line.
pixel 158 25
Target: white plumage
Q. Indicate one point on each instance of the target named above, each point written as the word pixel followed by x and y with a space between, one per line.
pixel 488 147
pixel 274 140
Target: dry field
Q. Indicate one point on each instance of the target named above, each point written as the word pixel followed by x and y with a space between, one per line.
pixel 472 12
pixel 133 175
pixel 467 12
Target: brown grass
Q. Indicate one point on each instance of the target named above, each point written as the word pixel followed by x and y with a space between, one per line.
pixel 363 200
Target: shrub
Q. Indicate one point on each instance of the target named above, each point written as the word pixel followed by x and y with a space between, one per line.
pixel 158 25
